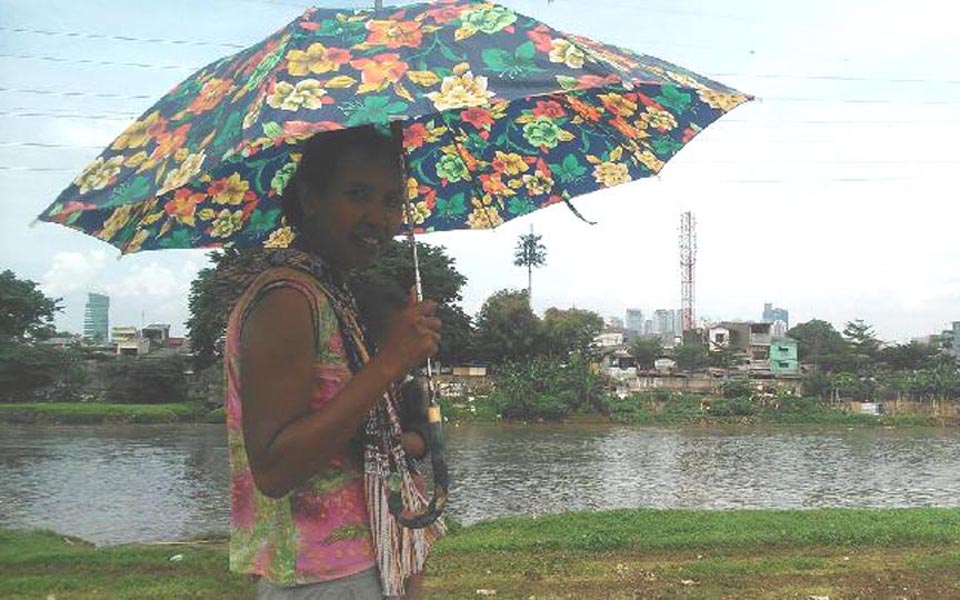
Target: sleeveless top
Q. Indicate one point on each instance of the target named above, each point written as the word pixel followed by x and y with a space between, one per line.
pixel 321 530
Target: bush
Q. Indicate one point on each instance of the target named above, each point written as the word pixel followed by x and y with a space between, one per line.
pixel 547 388
pixel 28 371
pixel 146 380
pixel 736 388
pixel 733 407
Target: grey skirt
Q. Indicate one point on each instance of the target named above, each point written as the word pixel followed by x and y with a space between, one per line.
pixel 364 585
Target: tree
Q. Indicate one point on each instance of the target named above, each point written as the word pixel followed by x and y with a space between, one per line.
pixel 908 357
pixel 646 351
pixel 25 312
pixel 692 357
pixel 209 306
pixel 441 283
pixel 209 297
pixel 530 253
pixel 571 330
pixel 863 344
pixel 507 329
pixel 820 344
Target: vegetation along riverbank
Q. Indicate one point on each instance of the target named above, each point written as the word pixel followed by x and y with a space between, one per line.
pixel 641 553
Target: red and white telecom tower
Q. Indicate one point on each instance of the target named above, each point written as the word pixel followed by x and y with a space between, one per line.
pixel 688 258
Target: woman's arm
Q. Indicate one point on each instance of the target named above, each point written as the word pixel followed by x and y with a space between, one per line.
pixel 286 442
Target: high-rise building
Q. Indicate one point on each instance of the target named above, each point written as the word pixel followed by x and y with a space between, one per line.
pixel 634 320
pixel 771 314
pixel 664 321
pixel 96 318
pixel 954 339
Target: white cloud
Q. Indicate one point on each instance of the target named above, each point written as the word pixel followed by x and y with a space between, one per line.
pixel 72 271
pixel 154 281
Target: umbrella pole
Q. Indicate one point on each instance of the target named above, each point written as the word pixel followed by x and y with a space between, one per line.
pixel 441 480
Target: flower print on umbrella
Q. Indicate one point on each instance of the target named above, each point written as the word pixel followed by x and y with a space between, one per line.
pixel 210 95
pixel 721 100
pixel 118 220
pixel 461 90
pixel 99 174
pixel 317 59
pixel 379 71
pixel 307 93
pixel 179 176
pixel 229 190
pixel 394 34
pixel 226 223
pixel 445 14
pixel 183 206
pixel 510 163
pixel 562 51
pixel 659 119
pixel 484 215
pixel 280 238
pixel 451 167
pixel 138 133
pixel 486 19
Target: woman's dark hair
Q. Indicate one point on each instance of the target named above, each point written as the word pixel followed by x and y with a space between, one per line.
pixel 321 157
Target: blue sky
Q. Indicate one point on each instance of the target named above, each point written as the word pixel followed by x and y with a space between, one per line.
pixel 832 196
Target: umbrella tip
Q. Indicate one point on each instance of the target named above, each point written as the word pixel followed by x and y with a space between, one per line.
pixel 34 222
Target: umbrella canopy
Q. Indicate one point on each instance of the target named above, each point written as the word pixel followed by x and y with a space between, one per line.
pixel 501 115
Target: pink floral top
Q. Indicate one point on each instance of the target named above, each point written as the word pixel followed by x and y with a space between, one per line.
pixel 319 531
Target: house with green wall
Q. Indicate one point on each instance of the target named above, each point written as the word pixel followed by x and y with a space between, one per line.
pixel 784 358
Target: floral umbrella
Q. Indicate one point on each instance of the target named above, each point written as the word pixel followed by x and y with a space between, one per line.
pixel 501 115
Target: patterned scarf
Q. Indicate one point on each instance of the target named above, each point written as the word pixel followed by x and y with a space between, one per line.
pixel 401 552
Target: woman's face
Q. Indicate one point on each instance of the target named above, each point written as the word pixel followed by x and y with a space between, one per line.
pixel 354 217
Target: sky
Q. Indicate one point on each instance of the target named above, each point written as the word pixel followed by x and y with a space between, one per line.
pixel 832 195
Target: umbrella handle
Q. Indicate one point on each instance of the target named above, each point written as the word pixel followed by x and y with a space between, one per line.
pixel 441 481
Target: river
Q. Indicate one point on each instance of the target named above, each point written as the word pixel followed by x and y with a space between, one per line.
pixel 123 483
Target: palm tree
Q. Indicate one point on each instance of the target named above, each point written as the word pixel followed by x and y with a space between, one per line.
pixel 530 253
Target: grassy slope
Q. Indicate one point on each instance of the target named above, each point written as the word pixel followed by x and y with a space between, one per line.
pixel 612 554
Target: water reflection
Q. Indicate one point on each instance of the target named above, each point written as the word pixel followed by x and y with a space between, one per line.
pixel 112 484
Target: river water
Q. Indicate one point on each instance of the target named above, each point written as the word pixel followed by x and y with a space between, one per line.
pixel 116 483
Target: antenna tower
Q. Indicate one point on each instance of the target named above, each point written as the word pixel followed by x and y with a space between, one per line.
pixel 688 258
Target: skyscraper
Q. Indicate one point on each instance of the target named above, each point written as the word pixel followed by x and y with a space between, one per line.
pixel 635 320
pixel 96 318
pixel 771 314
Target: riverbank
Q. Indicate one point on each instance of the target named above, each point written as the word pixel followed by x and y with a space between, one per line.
pixel 610 554
pixel 90 413
pixel 684 410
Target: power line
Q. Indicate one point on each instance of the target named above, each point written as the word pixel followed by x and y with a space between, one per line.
pixel 47 145
pixel 835 78
pixel 40 169
pixel 76 94
pixel 119 38
pixel 49 115
pixel 83 61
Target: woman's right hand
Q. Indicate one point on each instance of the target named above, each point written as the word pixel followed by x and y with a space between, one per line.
pixel 412 337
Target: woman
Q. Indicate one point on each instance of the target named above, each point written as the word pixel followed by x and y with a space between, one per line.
pixel 313 431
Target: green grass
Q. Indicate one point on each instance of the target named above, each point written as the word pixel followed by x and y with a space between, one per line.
pixel 687 530
pixel 99 412
pixel 39 564
pixel 642 409
pixel 613 554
